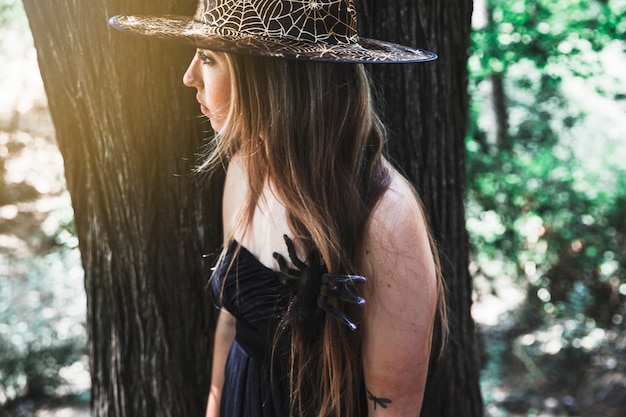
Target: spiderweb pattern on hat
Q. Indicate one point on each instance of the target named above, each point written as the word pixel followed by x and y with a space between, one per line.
pixel 326 21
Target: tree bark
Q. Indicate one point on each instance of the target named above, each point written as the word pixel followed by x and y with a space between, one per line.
pixel 124 125
pixel 426 107
pixel 498 97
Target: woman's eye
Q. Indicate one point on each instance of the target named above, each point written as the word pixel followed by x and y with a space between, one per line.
pixel 205 58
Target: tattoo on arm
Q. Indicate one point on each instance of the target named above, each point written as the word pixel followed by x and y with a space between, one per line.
pixel 377 400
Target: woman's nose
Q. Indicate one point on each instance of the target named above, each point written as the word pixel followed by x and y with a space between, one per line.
pixel 191 78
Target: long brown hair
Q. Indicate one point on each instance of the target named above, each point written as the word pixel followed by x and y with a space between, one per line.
pixel 311 129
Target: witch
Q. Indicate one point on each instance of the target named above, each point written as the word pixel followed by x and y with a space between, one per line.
pixel 329 281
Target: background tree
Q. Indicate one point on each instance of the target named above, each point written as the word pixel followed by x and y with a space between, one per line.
pixel 546 202
pixel 426 108
pixel 124 126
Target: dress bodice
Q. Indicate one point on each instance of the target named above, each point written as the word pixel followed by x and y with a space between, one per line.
pixel 253 294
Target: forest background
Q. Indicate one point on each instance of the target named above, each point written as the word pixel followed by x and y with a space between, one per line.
pixel 546 213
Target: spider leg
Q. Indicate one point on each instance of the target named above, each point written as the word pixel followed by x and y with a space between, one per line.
pixel 341 293
pixel 339 315
pixel 287 275
pixel 343 279
pixel 291 250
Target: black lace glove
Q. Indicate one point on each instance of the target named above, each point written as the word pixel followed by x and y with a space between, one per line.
pixel 312 285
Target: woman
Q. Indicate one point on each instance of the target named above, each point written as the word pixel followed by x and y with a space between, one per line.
pixel 308 200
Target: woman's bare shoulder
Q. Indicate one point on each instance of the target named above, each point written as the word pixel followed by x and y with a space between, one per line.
pixel 397 251
pixel 397 224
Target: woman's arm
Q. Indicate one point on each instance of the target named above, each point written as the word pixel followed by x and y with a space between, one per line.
pixel 235 188
pixel 224 335
pixel 401 294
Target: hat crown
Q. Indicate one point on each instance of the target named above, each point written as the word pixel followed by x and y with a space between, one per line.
pixel 318 21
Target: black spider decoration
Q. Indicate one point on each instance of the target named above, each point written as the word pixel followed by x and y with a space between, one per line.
pixel 312 285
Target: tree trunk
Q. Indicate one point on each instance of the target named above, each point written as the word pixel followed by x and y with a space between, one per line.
pixel 426 106
pixel 124 125
pixel 498 97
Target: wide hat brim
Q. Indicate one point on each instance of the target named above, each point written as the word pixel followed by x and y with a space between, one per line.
pixel 189 31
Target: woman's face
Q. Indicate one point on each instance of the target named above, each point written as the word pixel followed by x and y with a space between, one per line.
pixel 209 73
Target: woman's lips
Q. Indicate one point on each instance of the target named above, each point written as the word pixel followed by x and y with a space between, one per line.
pixel 204 110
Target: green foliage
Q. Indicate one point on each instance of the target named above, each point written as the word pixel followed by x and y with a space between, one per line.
pixel 8 10
pixel 550 33
pixel 11 13
pixel 541 210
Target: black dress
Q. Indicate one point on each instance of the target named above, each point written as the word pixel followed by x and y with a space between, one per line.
pixel 254 384
pixel 255 375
